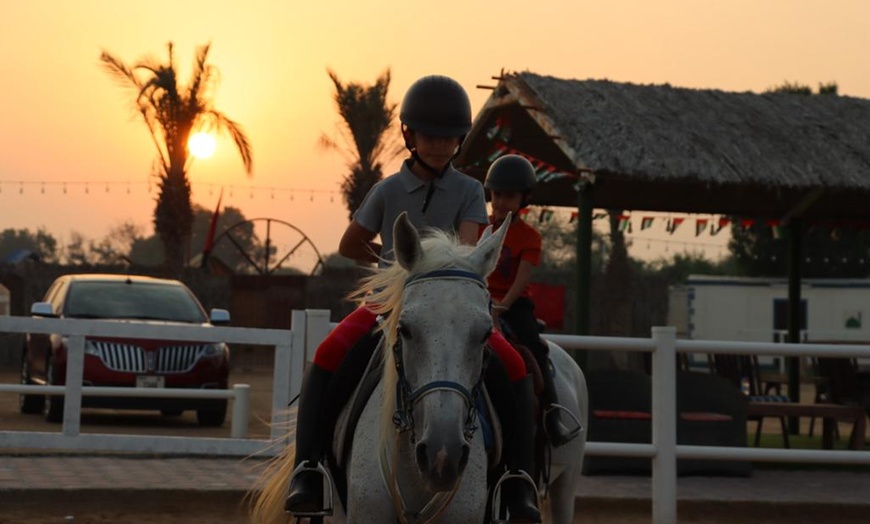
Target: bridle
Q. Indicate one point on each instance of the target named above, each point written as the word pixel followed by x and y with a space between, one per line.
pixel 407 397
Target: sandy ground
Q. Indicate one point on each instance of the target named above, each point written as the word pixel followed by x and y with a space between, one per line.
pixel 216 508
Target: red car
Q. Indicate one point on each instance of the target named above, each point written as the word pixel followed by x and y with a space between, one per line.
pixel 125 362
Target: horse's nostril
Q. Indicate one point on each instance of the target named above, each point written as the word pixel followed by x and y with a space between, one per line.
pixel 463 460
pixel 422 457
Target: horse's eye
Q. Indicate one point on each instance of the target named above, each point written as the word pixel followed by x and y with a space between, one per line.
pixel 404 332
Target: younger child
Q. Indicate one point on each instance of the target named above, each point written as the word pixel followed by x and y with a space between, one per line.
pixel 510 180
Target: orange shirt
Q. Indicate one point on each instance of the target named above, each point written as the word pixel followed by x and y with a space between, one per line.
pixel 523 242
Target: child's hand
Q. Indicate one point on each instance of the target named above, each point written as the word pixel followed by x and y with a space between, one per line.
pixel 497 310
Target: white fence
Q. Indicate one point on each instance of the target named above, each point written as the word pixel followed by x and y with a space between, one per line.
pixel 287 379
pixel 310 327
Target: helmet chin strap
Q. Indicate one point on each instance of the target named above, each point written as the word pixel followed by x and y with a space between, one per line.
pixel 435 172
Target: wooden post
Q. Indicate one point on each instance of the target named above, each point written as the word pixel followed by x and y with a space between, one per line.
pixel 584 267
pixel 794 315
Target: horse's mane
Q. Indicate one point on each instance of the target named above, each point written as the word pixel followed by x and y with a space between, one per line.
pixel 383 290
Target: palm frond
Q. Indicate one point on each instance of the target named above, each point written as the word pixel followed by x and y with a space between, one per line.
pixel 117 69
pixel 224 124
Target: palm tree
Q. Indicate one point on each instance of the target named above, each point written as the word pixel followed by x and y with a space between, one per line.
pixel 367 119
pixel 172 113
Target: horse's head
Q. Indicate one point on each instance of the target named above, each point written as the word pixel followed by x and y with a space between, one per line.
pixel 440 337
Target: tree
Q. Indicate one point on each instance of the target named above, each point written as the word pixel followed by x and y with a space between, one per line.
pixel 677 269
pixel 172 113
pixel 367 118
pixel 41 243
pixel 796 88
pixel 232 253
pixel 559 244
pixel 830 253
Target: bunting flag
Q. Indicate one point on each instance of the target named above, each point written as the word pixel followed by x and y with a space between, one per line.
pixel 700 226
pixel 212 228
pixel 775 229
pixel 646 223
pixel 746 223
pixel 674 223
pixel 598 216
pixel 716 228
pixel 523 212
pixel 546 215
pixel 574 216
pixel 624 223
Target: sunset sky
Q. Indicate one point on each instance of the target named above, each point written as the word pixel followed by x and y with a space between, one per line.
pixel 64 121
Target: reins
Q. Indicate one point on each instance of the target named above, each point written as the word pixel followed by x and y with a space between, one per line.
pixel 407 397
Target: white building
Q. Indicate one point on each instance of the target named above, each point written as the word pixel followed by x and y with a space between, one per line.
pixel 756 309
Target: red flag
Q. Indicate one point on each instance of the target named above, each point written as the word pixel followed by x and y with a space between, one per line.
pixel 209 239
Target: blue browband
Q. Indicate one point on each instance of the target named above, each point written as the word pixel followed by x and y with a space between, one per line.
pixel 447 273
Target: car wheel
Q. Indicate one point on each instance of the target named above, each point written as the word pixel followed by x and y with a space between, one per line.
pixel 29 404
pixel 213 415
pixel 171 412
pixel 53 408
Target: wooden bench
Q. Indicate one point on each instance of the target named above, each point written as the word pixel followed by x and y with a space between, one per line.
pixel 829 413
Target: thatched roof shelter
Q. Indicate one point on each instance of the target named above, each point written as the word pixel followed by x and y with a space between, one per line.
pixel 796 159
pixel 663 148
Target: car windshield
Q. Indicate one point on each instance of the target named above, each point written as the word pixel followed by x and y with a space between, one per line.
pixel 132 300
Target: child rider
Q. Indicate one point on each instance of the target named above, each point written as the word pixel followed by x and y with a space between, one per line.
pixel 435 117
pixel 510 180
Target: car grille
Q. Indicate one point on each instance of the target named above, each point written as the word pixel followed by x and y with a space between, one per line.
pixel 132 358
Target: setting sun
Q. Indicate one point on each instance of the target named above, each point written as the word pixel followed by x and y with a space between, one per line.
pixel 201 145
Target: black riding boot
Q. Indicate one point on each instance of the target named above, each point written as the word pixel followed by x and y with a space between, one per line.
pixel 306 487
pixel 521 495
pixel 557 431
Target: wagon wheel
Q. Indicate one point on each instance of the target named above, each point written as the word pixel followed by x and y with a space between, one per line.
pixel 292 244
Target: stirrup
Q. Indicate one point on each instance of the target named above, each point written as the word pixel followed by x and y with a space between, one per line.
pixel 499 512
pixel 572 433
pixel 327 490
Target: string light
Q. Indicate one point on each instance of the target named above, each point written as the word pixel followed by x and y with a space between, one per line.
pixel 44 187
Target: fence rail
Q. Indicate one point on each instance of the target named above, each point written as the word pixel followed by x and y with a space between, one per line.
pixel 286 382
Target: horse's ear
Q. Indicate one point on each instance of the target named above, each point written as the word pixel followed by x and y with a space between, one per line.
pixel 406 242
pixel 486 234
pixel 485 255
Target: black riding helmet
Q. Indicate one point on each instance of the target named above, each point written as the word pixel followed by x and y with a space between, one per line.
pixel 511 173
pixel 437 106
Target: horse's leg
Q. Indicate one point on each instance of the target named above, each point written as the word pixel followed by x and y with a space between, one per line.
pixel 571 385
pixel 562 494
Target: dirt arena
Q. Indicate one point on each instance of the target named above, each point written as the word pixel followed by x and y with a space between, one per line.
pixel 217 508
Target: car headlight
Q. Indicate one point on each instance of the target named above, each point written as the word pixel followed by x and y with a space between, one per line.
pixel 213 350
pixel 90 347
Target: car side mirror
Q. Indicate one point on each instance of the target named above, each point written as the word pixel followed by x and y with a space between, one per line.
pixel 42 309
pixel 219 317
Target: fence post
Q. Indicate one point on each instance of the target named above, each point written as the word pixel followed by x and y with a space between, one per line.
pixel 282 378
pixel 241 408
pixel 316 329
pixel 664 422
pixel 72 398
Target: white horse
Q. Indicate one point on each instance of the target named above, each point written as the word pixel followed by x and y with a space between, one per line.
pixel 414 458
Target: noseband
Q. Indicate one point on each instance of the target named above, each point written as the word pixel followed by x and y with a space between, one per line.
pixel 406 397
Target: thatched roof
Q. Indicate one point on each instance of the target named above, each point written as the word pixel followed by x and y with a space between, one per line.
pixel 662 148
